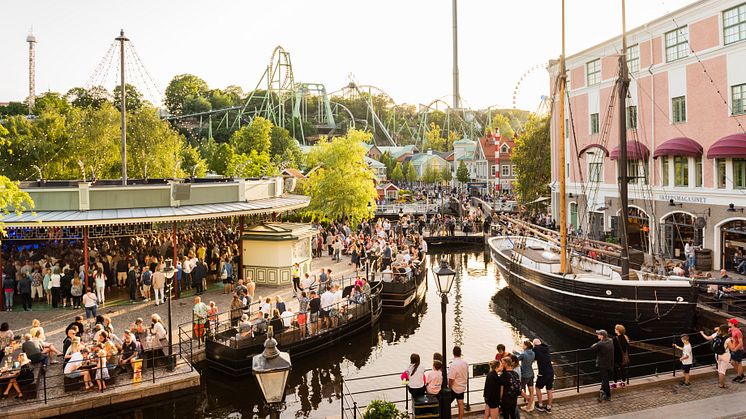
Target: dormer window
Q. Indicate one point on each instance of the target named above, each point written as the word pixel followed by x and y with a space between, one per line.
pixel 504 148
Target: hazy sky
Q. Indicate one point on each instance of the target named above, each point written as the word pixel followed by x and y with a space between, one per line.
pixel 400 46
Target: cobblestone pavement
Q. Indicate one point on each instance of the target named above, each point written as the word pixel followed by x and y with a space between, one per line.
pixel 123 313
pixel 629 400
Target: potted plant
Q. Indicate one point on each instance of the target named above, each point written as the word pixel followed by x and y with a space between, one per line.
pixel 381 409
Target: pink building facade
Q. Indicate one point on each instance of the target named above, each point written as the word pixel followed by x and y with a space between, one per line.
pixel 686 120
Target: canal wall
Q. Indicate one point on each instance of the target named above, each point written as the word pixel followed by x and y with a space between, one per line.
pixel 182 380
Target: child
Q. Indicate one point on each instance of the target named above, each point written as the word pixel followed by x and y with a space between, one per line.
pixel 500 352
pixel 686 358
pixel 102 372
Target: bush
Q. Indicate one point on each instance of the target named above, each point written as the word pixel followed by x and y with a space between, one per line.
pixel 381 409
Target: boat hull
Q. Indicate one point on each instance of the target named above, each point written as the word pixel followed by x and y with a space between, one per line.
pixel 398 297
pixel 645 310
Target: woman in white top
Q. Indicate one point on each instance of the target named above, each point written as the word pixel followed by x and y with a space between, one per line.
pixel 158 329
pixel 416 374
pixel 100 280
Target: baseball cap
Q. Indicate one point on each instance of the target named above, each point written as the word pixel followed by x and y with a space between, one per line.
pixel 536 342
pixel 733 321
pixel 602 332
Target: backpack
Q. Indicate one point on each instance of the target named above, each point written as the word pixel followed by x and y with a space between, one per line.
pixel 718 345
pixel 514 388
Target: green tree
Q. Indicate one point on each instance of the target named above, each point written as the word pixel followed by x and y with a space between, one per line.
pixel 94 97
pixel 343 185
pixel 132 98
pixel 434 140
pixel 219 99
pixel 154 149
pixel 221 158
pixel 397 175
pixel 51 100
pixel 12 198
pixel 284 148
pixel 430 175
pixel 256 136
pixel 14 108
pixel 446 175
pixel 411 173
pixel 501 123
pixel 192 162
pixel 250 165
pixel 532 157
pixel 462 173
pixel 94 143
pixel 179 88
pixel 195 104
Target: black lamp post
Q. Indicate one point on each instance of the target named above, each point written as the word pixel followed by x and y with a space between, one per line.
pixel 271 369
pixel 169 272
pixel 444 277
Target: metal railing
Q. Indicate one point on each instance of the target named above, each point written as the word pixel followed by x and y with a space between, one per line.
pixel 574 369
pixel 733 303
pixel 417 208
pixel 50 387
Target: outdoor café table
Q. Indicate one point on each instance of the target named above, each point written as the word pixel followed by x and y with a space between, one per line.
pixel 152 348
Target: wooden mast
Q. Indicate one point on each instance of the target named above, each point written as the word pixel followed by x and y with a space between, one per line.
pixel 623 83
pixel 562 164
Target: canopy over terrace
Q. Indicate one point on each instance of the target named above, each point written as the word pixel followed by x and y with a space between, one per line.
pixel 82 209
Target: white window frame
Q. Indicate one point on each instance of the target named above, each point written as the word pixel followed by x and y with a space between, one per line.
pixel 597 126
pixel 505 170
pixel 633 58
pixel 593 72
pixel 673 119
pixel 736 24
pixel 738 100
pixel 677 43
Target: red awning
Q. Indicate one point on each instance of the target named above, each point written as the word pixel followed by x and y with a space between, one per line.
pixel 590 146
pixel 681 146
pixel 731 146
pixel 635 151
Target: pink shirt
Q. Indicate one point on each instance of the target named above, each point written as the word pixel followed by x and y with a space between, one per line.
pixel 459 373
pixel 736 336
pixel 434 380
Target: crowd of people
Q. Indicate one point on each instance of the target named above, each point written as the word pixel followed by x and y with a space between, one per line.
pixel 91 351
pixel 54 272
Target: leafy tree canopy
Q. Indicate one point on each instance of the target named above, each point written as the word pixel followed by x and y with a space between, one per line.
pixel 531 155
pixel 343 185
pixel 181 87
pixel 462 173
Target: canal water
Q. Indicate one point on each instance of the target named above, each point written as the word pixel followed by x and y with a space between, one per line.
pixel 481 314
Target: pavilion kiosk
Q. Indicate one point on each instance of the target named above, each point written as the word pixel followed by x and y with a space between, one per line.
pixel 271 249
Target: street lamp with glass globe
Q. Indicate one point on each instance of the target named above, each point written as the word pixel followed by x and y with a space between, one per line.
pixel 271 369
pixel 444 277
pixel 169 272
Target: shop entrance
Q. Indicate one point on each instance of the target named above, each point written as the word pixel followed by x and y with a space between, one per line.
pixel 733 243
pixel 677 229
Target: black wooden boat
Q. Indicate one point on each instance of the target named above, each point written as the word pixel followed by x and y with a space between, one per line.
pixel 232 354
pixel 401 289
pixel 594 296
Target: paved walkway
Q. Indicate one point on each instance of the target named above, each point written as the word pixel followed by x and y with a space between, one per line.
pixel 651 399
pixel 123 313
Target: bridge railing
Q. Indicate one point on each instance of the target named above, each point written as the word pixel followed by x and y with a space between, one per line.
pixel 416 208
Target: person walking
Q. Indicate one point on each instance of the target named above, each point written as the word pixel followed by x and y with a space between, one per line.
pixel 132 282
pixel 55 284
pixel 199 273
pixel 296 279
pixel 604 350
pixel 8 290
pixel 621 355
pixel 736 355
pixel 90 302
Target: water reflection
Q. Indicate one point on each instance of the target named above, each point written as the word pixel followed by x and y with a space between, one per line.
pixel 481 314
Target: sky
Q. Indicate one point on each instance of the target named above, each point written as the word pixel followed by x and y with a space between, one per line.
pixel 402 47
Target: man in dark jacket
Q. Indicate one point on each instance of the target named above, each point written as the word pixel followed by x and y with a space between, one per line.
pixel 24 288
pixel 604 350
pixel 132 282
pixel 198 274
